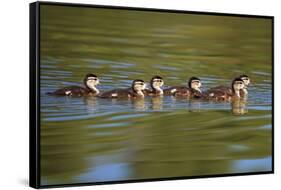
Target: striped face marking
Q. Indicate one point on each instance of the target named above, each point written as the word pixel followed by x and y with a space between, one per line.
pixel 92 78
pixel 138 85
pixel 157 80
pixel 238 85
pixel 156 83
pixel 246 80
pixel 92 81
pixel 196 84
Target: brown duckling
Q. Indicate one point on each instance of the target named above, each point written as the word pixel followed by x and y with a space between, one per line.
pixel 90 83
pixel 221 94
pixel 135 91
pixel 156 83
pixel 227 89
pixel 191 90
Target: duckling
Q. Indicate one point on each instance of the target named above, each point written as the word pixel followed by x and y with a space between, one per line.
pixel 191 90
pixel 135 91
pixel 222 94
pixel 156 83
pixel 227 89
pixel 90 82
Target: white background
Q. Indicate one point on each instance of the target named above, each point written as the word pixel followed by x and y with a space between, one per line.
pixel 14 73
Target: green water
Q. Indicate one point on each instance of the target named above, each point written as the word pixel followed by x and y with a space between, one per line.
pixel 93 140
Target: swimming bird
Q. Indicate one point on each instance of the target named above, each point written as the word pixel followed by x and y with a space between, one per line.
pixel 221 94
pixel 227 89
pixel 156 83
pixel 191 90
pixel 135 91
pixel 90 82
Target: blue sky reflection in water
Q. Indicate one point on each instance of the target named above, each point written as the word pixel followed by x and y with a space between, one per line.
pixel 93 140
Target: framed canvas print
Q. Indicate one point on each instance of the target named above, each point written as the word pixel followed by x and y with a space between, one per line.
pixel 120 94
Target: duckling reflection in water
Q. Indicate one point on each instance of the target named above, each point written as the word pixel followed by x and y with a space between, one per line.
pixel 135 91
pixel 195 105
pixel 192 90
pixel 91 103
pixel 157 103
pixel 139 104
pixel 90 83
pixel 239 106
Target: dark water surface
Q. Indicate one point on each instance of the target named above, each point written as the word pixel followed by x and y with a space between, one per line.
pixel 93 140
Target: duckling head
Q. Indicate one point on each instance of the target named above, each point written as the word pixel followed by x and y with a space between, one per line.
pixel 91 81
pixel 246 79
pixel 156 83
pixel 138 86
pixel 195 83
pixel 237 85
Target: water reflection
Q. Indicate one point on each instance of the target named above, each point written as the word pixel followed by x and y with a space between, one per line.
pixel 139 104
pixel 92 104
pixel 239 106
pixel 195 105
pixel 157 103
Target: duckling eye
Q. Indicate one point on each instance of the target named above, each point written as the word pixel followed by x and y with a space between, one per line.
pixel 139 83
pixel 157 80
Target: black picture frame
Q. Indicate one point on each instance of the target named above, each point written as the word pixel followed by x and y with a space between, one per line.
pixel 34 106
